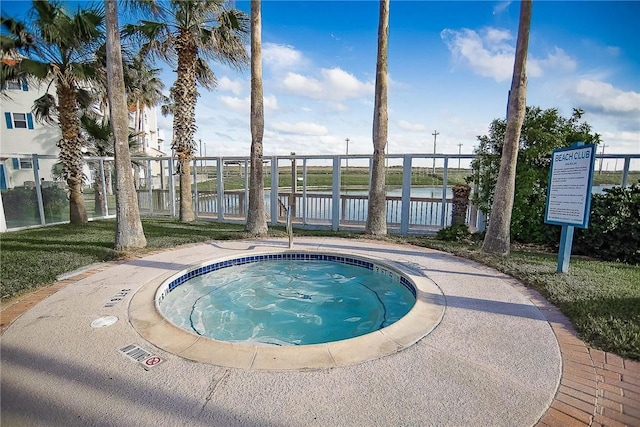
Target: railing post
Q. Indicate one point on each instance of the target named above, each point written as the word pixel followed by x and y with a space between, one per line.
pixel 304 191
pixel 275 206
pixel 220 188
pixel 406 194
pixel 625 172
pixel 196 199
pixel 104 188
pixel 443 220
pixel 335 199
pixel 36 177
pixel 149 186
pixel 245 210
pixel 172 190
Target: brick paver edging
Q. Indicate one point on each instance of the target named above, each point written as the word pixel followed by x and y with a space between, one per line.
pixel 596 388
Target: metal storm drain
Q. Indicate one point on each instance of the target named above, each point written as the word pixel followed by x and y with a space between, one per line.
pixel 142 356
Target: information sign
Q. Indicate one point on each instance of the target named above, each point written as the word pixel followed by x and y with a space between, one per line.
pixel 569 192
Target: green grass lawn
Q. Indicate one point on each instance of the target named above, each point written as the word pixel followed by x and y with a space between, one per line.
pixel 601 298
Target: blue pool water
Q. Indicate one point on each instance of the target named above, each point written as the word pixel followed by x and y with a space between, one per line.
pixel 288 302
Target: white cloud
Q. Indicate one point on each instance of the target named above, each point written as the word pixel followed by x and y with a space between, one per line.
pixel 280 56
pixel 233 86
pixel 604 97
pixel 338 107
pixel 411 127
pixel 334 84
pixel 486 53
pixel 496 36
pixel 501 7
pixel 243 105
pixel 302 128
pixel 557 60
pixel 270 103
pixel 490 53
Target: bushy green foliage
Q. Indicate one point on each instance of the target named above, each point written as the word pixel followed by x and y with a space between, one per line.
pixel 21 203
pixel 55 202
pixel 614 226
pixel 542 132
pixel 454 233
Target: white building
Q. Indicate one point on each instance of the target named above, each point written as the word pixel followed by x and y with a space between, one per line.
pixel 21 135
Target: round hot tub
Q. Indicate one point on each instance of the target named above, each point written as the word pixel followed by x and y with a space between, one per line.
pixel 287 299
pixel 288 310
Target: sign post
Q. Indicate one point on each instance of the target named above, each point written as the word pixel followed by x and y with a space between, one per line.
pixel 569 194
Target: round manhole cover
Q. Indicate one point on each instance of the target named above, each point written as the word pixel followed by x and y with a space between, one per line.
pixel 104 321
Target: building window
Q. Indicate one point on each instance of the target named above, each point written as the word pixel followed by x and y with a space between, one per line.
pixel 22 163
pixel 20 84
pixel 19 120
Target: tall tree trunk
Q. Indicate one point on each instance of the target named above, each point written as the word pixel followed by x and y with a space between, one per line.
pixel 377 212
pixel 70 146
pixel 129 232
pixel 184 126
pixel 497 240
pixel 256 216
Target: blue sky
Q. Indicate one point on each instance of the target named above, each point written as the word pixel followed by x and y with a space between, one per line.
pixel 450 65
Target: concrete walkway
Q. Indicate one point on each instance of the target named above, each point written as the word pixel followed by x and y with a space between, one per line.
pixel 501 356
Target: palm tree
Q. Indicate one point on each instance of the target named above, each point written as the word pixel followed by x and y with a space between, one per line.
pixel 377 214
pixel 144 90
pixel 497 240
pixel 13 39
pixel 100 144
pixel 60 53
pixel 129 232
pixel 256 217
pixel 190 33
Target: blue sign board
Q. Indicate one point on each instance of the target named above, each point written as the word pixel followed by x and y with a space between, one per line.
pixel 569 190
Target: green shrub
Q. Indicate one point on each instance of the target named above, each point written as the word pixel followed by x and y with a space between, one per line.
pixel 55 201
pixel 19 203
pixel 454 233
pixel 542 132
pixel 614 226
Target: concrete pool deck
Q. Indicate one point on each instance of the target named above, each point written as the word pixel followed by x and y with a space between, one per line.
pixel 500 356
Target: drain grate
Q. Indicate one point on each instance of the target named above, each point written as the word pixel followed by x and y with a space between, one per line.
pixel 141 355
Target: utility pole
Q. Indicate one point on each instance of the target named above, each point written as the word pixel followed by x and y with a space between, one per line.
pixel 601 159
pixel 347 141
pixel 435 135
pixel 459 152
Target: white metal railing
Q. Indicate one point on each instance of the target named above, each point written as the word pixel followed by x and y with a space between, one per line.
pixel 333 206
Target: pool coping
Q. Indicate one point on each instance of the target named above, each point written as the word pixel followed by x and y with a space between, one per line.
pixel 424 316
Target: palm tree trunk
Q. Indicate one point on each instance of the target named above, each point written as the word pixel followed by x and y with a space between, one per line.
pixel 184 126
pixel 256 216
pixel 71 151
pixel 377 212
pixel 129 232
pixel 497 240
